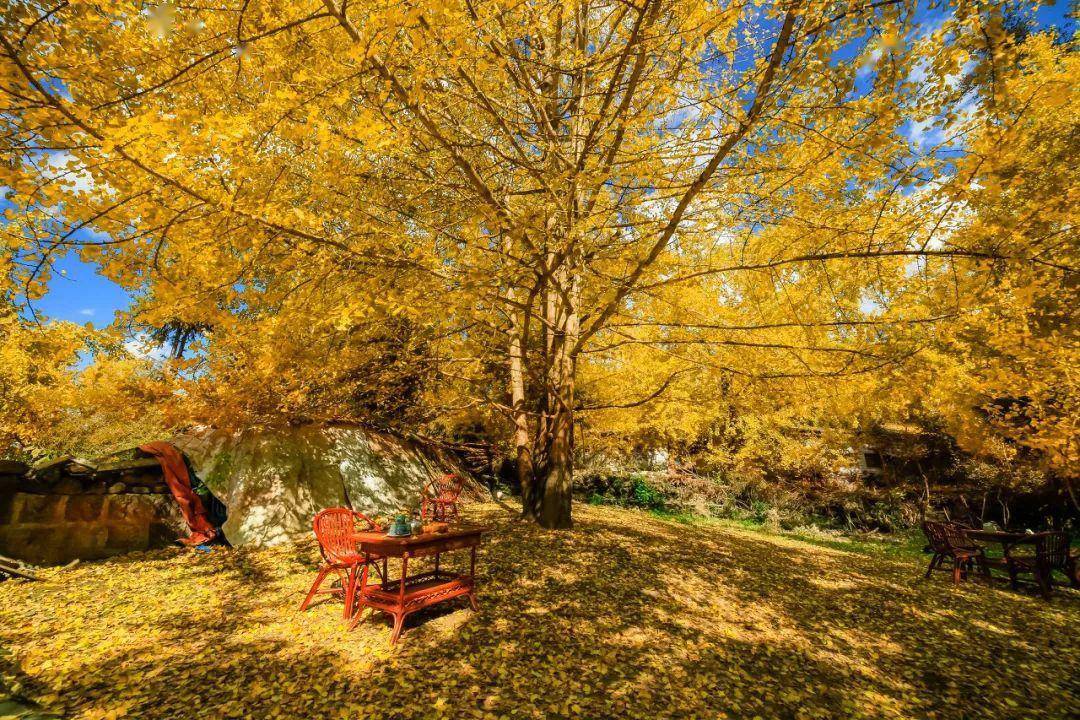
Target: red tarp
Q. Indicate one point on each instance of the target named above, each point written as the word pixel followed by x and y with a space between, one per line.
pixel 179 482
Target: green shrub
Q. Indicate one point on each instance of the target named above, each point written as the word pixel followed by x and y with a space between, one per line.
pixel 646 496
pixel 634 490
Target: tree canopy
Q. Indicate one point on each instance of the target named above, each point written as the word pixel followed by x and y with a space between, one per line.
pixel 649 214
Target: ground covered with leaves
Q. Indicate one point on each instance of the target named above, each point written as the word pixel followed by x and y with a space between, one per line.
pixel 628 615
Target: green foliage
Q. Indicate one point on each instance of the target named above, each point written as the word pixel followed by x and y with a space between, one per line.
pixel 636 490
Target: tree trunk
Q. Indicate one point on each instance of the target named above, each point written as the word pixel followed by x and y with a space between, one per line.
pixel 926 491
pixel 1072 493
pixel 553 456
pixel 558 470
pixel 522 441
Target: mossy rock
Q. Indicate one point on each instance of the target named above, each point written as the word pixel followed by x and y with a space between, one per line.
pixel 273 481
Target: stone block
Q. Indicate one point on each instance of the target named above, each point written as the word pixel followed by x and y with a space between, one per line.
pixel 84 540
pixel 52 545
pixel 122 508
pixel 162 534
pixel 31 508
pixel 11 483
pixel 16 542
pixel 13 467
pixel 7 508
pixel 68 486
pixel 55 529
pixel 51 468
pixel 143 464
pixel 84 508
pixel 126 537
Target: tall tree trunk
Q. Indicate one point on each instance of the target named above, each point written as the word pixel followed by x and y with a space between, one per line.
pixel 548 499
pixel 555 488
pixel 522 441
pixel 1072 494
pixel 555 504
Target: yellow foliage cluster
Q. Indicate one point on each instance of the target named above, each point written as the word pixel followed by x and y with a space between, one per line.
pixel 35 375
pixel 988 352
pixel 51 406
pixel 661 218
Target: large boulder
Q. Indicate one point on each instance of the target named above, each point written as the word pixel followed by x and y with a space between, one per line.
pixel 272 481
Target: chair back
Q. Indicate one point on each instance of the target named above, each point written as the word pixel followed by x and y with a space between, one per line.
pixel 1053 549
pixel 445 488
pixel 334 528
pixel 935 536
pixel 955 536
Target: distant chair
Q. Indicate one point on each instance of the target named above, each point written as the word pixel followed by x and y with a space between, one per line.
pixel 1051 553
pixel 948 541
pixel 335 529
pixel 439 498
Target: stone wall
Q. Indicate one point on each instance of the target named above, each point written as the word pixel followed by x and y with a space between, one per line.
pixel 270 483
pixel 65 510
pixel 54 529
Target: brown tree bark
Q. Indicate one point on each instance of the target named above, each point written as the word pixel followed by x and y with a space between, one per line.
pixel 519 410
pixel 556 501
pixel 554 485
pixel 1072 493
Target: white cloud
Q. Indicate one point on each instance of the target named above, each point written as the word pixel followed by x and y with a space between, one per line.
pixel 870 305
pixel 142 347
pixel 58 163
pixel 87 312
pixel 870 64
pixel 919 72
pixel 925 133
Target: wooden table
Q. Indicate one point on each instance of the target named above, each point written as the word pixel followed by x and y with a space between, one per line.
pixel 408 594
pixel 1007 540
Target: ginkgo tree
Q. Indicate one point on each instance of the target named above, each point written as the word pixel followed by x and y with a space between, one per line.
pixel 529 187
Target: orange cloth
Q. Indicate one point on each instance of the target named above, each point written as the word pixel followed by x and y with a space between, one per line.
pixel 176 477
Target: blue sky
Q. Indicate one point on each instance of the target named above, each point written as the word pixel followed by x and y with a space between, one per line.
pixel 81 295
pixel 78 293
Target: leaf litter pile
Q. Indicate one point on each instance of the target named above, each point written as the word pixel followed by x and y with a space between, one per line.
pixel 628 615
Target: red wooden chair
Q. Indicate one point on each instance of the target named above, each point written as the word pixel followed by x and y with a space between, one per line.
pixel 334 528
pixel 439 498
pixel 948 542
pixel 1051 553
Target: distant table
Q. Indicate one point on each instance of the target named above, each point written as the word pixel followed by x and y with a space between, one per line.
pixel 409 594
pixel 1007 540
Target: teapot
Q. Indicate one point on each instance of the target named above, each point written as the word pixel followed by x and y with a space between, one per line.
pixel 401 525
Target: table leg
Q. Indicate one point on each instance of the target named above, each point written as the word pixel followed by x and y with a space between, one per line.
pixel 404 575
pixel 472 580
pixel 399 615
pixel 1042 579
pixel 358 594
pixel 399 622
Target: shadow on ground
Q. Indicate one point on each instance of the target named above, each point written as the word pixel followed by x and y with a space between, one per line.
pixel 625 616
